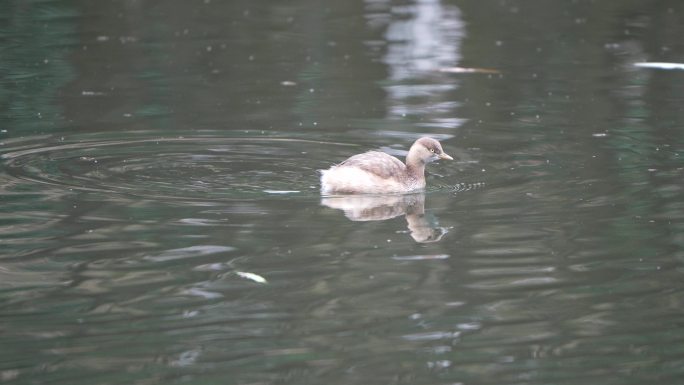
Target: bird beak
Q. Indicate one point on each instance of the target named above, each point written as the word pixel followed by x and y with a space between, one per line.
pixel 445 156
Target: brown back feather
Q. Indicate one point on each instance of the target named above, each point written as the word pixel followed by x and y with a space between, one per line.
pixel 378 163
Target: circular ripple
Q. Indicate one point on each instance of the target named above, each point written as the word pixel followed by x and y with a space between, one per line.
pixel 188 168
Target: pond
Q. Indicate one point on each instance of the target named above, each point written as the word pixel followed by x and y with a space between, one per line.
pixel 162 221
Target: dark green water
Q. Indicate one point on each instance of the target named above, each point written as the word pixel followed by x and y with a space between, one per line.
pixel 161 221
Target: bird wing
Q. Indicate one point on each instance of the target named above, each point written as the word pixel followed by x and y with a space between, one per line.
pixel 378 163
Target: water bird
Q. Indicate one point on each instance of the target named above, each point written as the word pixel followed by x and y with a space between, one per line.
pixel 375 172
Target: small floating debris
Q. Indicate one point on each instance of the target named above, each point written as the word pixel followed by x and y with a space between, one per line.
pixel 281 191
pixel 288 83
pixel 91 93
pixel 421 257
pixel 660 65
pixel 599 135
pixel 467 70
pixel 251 276
pixel 128 39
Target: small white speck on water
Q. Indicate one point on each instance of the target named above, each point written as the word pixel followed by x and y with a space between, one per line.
pixel 281 191
pixel 251 276
pixel 440 364
pixel 190 313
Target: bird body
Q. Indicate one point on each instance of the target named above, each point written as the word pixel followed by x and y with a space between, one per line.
pixel 376 172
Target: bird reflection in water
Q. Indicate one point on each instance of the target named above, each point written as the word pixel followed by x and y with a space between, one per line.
pixel 422 228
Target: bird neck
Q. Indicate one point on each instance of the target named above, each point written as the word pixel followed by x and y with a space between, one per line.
pixel 415 166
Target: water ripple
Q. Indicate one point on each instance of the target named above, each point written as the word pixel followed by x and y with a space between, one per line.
pixel 176 168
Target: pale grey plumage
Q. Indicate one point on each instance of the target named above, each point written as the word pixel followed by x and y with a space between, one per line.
pixel 378 172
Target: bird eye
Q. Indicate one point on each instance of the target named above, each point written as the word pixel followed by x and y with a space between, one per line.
pixel 432 150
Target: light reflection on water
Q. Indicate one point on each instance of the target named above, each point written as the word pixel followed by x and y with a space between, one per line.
pixel 161 220
pixel 378 208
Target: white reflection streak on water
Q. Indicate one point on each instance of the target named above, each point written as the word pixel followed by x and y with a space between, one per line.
pixel 384 207
pixel 423 37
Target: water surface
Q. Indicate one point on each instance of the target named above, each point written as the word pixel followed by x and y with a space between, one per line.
pixel 161 220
